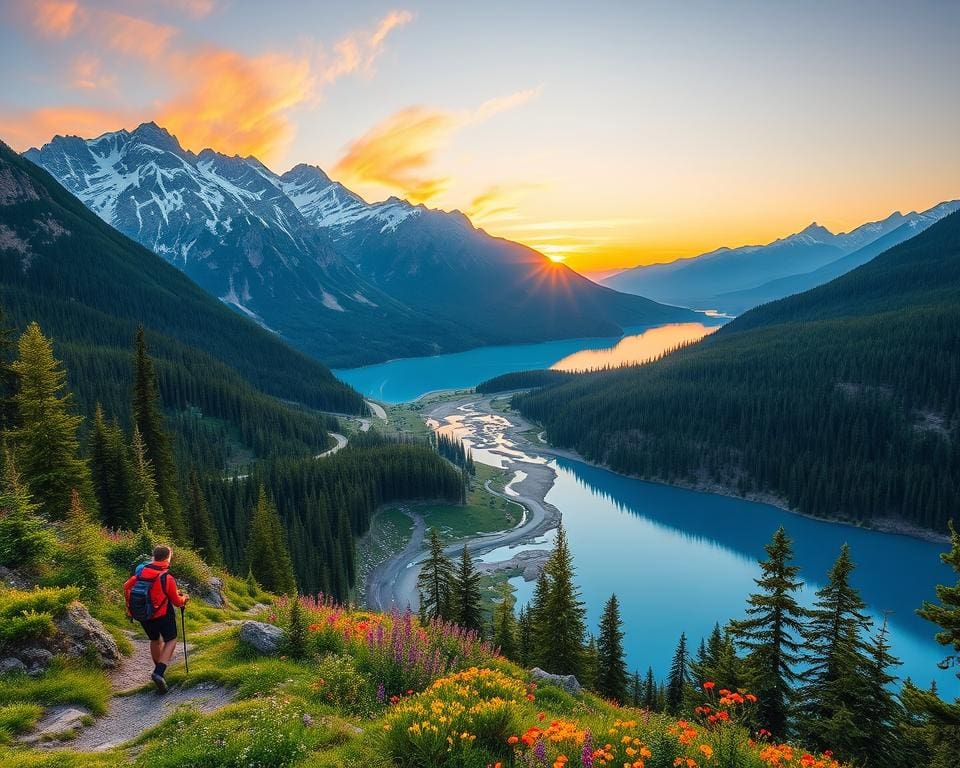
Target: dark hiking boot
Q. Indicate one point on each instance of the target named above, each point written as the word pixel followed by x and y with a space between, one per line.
pixel 159 681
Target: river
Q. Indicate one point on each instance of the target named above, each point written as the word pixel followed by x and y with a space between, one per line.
pixel 678 560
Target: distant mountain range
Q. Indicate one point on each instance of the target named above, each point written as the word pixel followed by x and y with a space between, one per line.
pixel 733 280
pixel 347 281
pixel 840 401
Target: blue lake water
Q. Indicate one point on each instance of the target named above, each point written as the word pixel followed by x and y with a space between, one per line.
pixel 406 379
pixel 681 560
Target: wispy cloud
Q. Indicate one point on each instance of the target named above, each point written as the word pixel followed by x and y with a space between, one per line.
pixel 87 73
pixel 219 97
pixel 55 18
pixel 398 153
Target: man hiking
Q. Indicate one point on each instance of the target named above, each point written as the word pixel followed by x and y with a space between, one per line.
pixel 152 599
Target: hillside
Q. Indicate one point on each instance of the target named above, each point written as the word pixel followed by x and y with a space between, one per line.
pixel 90 287
pixel 841 402
pixel 732 280
pixel 345 281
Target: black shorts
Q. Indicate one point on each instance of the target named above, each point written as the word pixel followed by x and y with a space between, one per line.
pixel 165 626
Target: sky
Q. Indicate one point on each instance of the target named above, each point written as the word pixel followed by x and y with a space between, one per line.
pixel 604 134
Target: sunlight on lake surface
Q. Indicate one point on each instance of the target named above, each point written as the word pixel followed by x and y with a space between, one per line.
pixel 633 350
pixel 406 379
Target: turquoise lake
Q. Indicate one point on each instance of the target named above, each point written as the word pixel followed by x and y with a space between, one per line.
pixel 403 380
pixel 681 560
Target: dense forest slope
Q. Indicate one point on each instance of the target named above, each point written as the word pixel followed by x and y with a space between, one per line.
pixel 89 287
pixel 842 401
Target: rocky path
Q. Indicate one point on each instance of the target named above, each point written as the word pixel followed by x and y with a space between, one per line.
pixel 133 708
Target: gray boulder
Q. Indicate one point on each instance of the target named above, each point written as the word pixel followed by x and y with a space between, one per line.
pixel 569 683
pixel 264 637
pixel 10 665
pixel 81 635
pixel 212 592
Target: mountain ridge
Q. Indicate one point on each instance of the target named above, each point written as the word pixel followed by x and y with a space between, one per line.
pixel 732 280
pixel 344 280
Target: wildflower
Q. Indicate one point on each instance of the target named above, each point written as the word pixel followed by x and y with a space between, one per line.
pixel 709 685
pixel 586 754
pixel 706 750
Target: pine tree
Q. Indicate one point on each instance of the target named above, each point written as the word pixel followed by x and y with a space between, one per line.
pixel 143 494
pixel 771 633
pixel 941 719
pixel 560 622
pixel 267 553
pixel 946 614
pixel 296 639
pixel 505 623
pixel 85 552
pixel 8 376
pixel 465 594
pixel 45 440
pixel 589 660
pixel 835 654
pixel 524 638
pixel 650 692
pixel 203 533
pixel 148 418
pixel 635 693
pixel 434 581
pixel 678 679
pixel 26 541
pixel 111 469
pixel 880 712
pixel 535 619
pixel 611 665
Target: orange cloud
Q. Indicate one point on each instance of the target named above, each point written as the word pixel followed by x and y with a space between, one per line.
pixel 55 18
pixel 237 104
pixel 360 50
pixel 131 35
pixel 398 152
pixel 498 204
pixel 87 74
pixel 220 98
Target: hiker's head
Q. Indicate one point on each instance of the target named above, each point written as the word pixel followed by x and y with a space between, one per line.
pixel 161 553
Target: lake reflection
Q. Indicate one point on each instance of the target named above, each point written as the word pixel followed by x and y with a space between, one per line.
pixel 680 560
pixel 633 350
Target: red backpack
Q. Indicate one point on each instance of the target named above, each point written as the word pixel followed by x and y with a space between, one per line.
pixel 149 593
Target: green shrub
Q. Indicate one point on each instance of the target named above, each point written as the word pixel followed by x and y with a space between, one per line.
pixel 26 616
pixel 18 718
pixel 340 685
pixel 264 733
pixel 296 638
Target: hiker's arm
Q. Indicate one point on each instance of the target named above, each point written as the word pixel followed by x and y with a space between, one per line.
pixel 174 594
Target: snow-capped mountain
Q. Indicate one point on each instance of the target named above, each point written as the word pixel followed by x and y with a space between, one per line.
pixel 735 279
pixel 348 281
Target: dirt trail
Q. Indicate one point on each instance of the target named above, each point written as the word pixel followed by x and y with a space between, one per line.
pixel 133 708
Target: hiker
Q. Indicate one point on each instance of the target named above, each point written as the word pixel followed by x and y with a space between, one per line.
pixel 152 598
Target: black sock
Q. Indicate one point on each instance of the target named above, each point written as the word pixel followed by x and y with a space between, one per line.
pixel 161 669
pixel 156 667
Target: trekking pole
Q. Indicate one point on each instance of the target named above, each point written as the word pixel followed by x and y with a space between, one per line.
pixel 183 624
